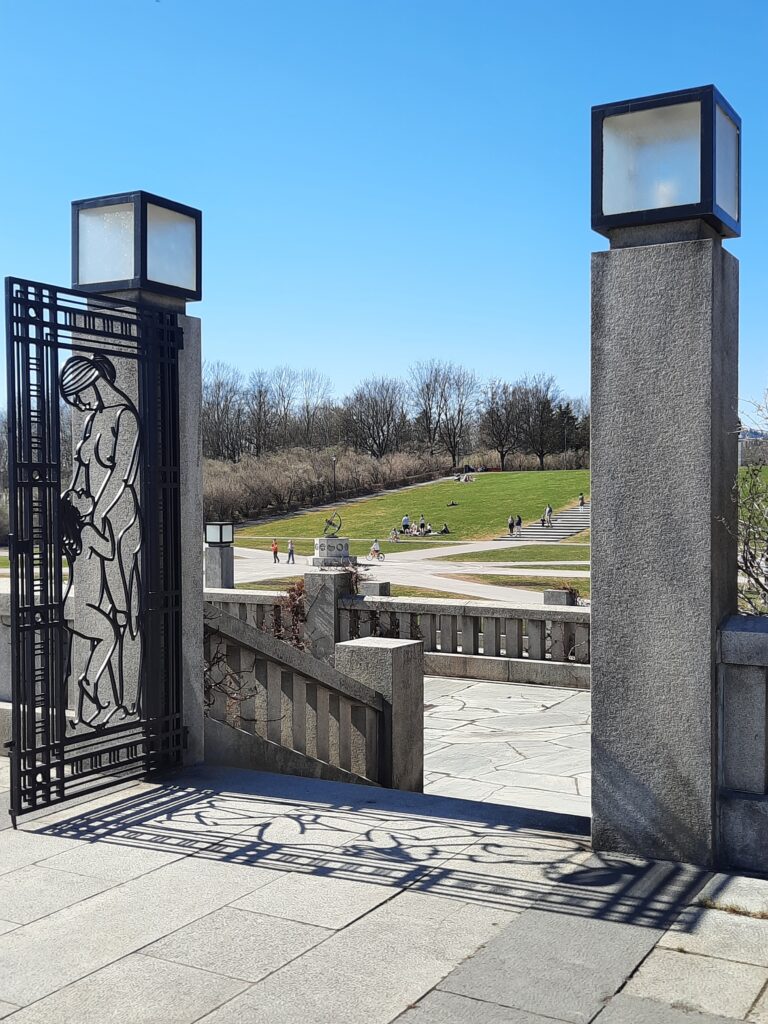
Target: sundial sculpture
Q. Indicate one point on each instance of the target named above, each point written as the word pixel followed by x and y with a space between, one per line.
pixel 332 525
pixel 331 550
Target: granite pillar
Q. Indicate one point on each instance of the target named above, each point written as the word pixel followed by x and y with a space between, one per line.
pixel 219 567
pixel 664 463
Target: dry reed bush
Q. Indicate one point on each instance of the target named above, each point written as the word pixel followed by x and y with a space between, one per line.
pixel 302 477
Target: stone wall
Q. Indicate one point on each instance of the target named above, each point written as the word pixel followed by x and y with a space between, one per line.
pixel 743 743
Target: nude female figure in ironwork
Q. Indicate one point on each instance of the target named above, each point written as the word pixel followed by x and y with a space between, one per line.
pixel 102 539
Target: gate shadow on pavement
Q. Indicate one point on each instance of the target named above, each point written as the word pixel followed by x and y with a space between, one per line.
pixel 504 857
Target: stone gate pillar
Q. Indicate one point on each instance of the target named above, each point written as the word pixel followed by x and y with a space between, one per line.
pixel 664 463
pixel 665 192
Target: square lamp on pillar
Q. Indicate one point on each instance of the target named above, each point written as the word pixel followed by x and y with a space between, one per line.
pixel 219 556
pixel 219 535
pixel 671 157
pixel 136 241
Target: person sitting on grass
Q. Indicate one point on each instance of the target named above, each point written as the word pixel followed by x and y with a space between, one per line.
pixel 445 528
pixel 428 529
pixel 394 536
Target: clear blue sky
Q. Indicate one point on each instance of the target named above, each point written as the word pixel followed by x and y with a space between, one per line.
pixel 381 180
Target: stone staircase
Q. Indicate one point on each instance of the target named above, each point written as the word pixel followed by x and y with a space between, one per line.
pixel 564 524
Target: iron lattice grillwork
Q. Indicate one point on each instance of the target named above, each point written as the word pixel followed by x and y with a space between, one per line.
pixel 95 546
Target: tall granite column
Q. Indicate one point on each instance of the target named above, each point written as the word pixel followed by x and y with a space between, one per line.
pixel 664 464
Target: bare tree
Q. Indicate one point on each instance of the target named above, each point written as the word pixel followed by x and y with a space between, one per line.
pixel 284 384
pixel 499 418
pixel 375 416
pixel 427 394
pixel 537 398
pixel 314 394
pixel 257 400
pixel 460 389
pixel 223 412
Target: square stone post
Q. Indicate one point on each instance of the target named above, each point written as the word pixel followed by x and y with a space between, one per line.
pixel 395 669
pixel 664 464
pixel 323 588
pixel 219 567
pixel 191 501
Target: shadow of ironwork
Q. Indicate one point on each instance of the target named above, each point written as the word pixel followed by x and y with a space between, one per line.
pixel 502 857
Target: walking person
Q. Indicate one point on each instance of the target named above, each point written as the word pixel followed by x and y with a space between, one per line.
pixel 275 558
pixel 519 526
pixel 290 560
pixel 581 500
pixel 511 526
pixel 548 515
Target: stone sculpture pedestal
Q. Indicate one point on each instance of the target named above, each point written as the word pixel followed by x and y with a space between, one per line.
pixel 332 552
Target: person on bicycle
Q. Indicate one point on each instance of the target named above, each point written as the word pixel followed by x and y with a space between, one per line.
pixel 375 549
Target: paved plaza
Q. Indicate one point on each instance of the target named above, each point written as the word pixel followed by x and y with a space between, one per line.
pixel 233 896
pixel 422 568
pixel 525 746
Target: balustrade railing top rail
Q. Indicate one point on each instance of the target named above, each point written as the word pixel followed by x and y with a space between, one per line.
pixel 536 633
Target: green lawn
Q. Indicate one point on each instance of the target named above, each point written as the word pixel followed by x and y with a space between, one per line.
pixel 530 553
pixel 585 537
pixel 481 511
pixel 528 582
pixel 396 590
pixel 4 563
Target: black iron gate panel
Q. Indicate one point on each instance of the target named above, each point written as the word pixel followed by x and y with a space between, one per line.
pixel 94 543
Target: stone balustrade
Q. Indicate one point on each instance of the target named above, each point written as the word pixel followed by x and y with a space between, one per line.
pixel 276 708
pixel 544 644
pixel 743 742
pixel 267 610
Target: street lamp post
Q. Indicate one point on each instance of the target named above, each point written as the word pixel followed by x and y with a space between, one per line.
pixel 333 462
pixel 665 192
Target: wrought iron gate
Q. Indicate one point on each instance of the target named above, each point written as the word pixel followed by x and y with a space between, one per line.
pixel 94 546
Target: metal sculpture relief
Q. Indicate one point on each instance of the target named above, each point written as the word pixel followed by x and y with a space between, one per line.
pixel 332 525
pixel 102 540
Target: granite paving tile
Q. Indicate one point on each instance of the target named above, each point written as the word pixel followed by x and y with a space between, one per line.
pixel 237 943
pixel 36 891
pixel 691 982
pixel 412 942
pixel 135 990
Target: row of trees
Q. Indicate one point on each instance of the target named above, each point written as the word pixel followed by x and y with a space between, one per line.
pixel 438 409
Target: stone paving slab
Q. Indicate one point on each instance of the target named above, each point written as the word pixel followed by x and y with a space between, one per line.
pixel 446 1008
pixel 255 945
pixel 135 990
pixel 315 900
pixel 691 982
pixel 412 942
pixel 558 966
pixel 718 933
pixel 624 1009
pixel 35 891
pixel 508 744
pixel 42 957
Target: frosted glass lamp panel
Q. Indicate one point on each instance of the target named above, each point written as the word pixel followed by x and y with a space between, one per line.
pixel 227 533
pixel 212 533
pixel 171 248
pixel 652 158
pixel 105 244
pixel 726 163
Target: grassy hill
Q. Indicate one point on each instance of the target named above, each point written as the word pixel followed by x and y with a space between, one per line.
pixel 480 513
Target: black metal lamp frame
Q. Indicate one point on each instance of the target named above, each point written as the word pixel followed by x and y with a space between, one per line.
pixel 220 543
pixel 140 281
pixel 707 208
